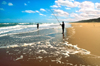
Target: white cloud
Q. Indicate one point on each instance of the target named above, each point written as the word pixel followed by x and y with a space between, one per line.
pixel 74 15
pixel 55 6
pixel 65 3
pixel 68 3
pixel 29 11
pixel 42 14
pixel 37 11
pixel 87 10
pixel 25 4
pixel 1 9
pixel 4 2
pixel 72 3
pixel 10 4
pixel 61 13
pixel 83 10
pixel 86 5
pixel 97 5
pixel 66 20
pixel 84 14
pixel 76 4
pixel 67 8
pixel 42 9
pixel 70 19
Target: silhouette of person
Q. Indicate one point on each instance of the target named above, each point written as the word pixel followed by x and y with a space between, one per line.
pixel 63 26
pixel 37 25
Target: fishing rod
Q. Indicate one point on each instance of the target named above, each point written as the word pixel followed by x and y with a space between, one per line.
pixel 55 16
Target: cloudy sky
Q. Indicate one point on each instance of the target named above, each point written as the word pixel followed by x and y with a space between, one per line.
pixel 44 10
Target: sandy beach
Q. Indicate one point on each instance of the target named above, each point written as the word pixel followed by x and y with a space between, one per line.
pixel 85 35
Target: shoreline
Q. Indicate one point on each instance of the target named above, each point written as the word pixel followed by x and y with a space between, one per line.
pixel 85 35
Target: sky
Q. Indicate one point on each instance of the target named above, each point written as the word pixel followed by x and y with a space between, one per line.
pixel 48 10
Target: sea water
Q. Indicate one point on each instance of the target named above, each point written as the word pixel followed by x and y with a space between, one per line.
pixel 16 33
pixel 23 44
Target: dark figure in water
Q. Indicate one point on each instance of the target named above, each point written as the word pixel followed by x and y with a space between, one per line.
pixel 63 26
pixel 37 25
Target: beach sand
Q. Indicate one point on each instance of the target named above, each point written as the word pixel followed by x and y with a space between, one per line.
pixel 85 35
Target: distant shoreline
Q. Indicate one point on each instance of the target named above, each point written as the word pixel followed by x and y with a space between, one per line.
pixel 90 20
pixel 84 22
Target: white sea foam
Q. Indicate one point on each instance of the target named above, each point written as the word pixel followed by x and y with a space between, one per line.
pixel 15 33
pixel 5 30
pixel 41 51
pixel 39 57
pixel 21 57
pixel 62 48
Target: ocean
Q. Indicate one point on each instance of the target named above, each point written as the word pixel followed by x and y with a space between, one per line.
pixel 18 33
pixel 22 44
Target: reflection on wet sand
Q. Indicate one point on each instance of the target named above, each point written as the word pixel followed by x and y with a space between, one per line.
pixel 63 36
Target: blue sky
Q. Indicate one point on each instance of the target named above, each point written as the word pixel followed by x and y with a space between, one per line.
pixel 39 10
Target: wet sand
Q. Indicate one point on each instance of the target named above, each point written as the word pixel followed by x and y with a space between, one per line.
pixel 85 35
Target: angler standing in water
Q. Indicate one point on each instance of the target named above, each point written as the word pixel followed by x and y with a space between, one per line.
pixel 63 26
pixel 37 25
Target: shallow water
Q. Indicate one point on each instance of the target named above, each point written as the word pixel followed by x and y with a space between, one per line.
pixel 46 47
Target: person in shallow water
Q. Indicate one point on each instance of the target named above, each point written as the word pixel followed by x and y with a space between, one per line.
pixel 63 26
pixel 37 25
